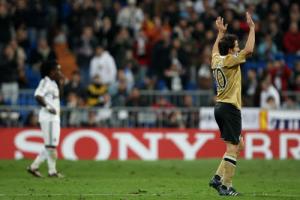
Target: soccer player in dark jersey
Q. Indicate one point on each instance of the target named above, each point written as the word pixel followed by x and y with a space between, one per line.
pixel 226 60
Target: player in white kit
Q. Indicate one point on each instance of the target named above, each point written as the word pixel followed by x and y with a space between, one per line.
pixel 47 95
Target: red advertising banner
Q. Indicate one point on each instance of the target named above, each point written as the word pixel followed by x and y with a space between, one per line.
pixel 147 144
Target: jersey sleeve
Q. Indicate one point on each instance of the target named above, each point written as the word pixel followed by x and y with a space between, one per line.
pixel 234 60
pixel 214 59
pixel 41 89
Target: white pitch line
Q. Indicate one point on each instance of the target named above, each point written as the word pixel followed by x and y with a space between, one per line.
pixel 272 195
pixel 90 194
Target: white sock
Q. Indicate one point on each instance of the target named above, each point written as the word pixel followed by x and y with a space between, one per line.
pixel 52 156
pixel 39 159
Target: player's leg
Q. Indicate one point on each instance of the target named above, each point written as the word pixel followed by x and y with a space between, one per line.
pixel 229 170
pixel 34 167
pixel 215 182
pixel 230 159
pixel 234 144
pixel 220 171
pixel 54 134
pixel 229 121
pixel 241 147
pixel 51 158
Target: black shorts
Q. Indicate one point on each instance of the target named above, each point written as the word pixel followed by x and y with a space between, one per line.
pixel 229 120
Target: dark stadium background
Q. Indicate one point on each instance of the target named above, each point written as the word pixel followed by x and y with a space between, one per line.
pixel 161 50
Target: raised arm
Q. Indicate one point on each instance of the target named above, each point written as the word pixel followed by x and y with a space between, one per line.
pixel 221 32
pixel 249 47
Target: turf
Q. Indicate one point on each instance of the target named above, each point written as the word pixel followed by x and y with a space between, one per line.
pixel 122 180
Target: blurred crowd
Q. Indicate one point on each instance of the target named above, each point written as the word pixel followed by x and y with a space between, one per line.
pixel 110 50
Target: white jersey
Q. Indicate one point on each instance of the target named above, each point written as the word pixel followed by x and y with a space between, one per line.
pixel 105 67
pixel 48 89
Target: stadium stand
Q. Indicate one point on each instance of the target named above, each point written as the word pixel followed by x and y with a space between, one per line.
pixel 161 49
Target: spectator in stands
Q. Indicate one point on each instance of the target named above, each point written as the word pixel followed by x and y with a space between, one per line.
pixel 202 5
pixel 3 113
pixel 160 60
pixel 9 75
pixel 269 94
pixel 74 85
pixel 104 66
pixel 199 33
pixel 154 29
pixel 22 37
pixel 190 115
pixel 32 120
pixel 131 16
pixel 42 53
pixel 174 120
pixel 142 49
pixel 250 84
pixel 162 108
pixel 291 103
pixel 91 120
pixel 73 19
pixel 294 81
pixel 296 86
pixel 97 93
pixel 162 102
pixel 120 90
pixel 280 74
pixel 20 57
pixel 106 33
pixel 75 115
pixel 291 39
pixel 89 12
pixel 84 48
pixel 134 99
pixel 294 14
pixel 276 33
pixel 267 49
pixel 22 13
pixel 123 42
pixel 204 75
pixel 270 103
pixel 131 70
pixel 236 28
pixel 2 101
pixel 6 24
pixel 186 9
pixel 38 21
pixel 175 74
pixel 98 96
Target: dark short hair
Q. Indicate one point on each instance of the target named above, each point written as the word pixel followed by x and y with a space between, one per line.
pixel 226 43
pixel 47 67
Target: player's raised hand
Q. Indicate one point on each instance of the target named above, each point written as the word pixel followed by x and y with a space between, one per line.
pixel 220 25
pixel 249 20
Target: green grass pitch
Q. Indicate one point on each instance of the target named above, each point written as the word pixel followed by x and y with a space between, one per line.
pixel 256 179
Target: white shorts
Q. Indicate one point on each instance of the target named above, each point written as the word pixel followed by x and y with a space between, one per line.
pixel 51 131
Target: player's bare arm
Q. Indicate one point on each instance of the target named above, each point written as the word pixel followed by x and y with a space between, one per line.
pixel 249 47
pixel 43 103
pixel 221 32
